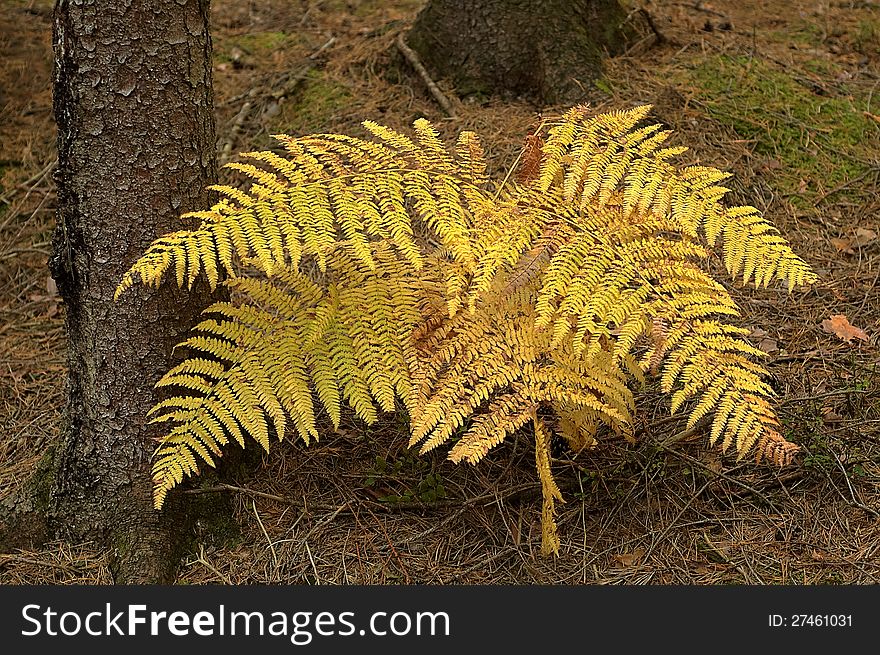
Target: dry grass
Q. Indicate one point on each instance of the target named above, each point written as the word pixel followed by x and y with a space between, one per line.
pixel 348 509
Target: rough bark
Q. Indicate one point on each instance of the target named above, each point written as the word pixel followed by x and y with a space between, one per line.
pixel 136 147
pixel 548 52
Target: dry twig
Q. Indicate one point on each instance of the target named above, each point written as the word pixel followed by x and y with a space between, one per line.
pixel 414 61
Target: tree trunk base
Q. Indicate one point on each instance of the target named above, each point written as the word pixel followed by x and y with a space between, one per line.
pixel 24 523
pixel 144 546
pixel 133 102
pixel 549 52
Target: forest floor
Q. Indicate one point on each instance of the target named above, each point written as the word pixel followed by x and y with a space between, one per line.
pixel 781 93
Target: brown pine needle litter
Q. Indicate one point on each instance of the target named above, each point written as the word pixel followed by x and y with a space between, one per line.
pixel 353 508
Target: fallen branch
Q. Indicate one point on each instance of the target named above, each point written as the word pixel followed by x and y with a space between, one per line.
pixel 237 122
pixel 293 81
pixel 326 45
pixel 414 61
pixel 664 445
pixel 843 185
pixel 652 38
pixel 684 434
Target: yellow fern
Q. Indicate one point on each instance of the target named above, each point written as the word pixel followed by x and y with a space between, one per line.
pixel 385 273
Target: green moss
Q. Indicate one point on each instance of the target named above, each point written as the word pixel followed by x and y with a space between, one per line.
pixel 603 85
pixel 798 32
pixel 254 43
pixel 313 106
pixel 38 488
pixel 215 523
pixel 824 67
pixel 867 36
pixel 822 142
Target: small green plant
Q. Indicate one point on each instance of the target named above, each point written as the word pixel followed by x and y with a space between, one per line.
pixel 858 472
pixel 428 490
pixel 429 487
pixel 818 455
pixel 862 384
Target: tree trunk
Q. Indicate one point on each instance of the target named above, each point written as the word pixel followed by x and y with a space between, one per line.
pixel 548 52
pixel 136 147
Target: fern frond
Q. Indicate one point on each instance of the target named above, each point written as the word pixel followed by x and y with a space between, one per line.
pixel 500 248
pixel 550 491
pixel 557 145
pixel 333 192
pixel 503 416
pixel 352 263
pixel 753 247
pixel 359 154
pixel 577 425
pixel 434 150
pixel 530 160
pixel 710 363
pixel 256 367
pixel 399 142
pixel 600 149
pixel 473 160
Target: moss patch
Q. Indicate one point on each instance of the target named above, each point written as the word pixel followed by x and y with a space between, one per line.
pixel 257 44
pixel 822 142
pixel 314 107
pixel 798 32
pixel 867 37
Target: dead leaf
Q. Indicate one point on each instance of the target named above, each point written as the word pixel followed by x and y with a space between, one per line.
pixel 764 341
pixel 864 237
pixel 830 416
pixel 771 165
pixel 628 559
pixel 51 287
pixel 768 345
pixel 712 460
pixel 840 326
pixel 843 245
